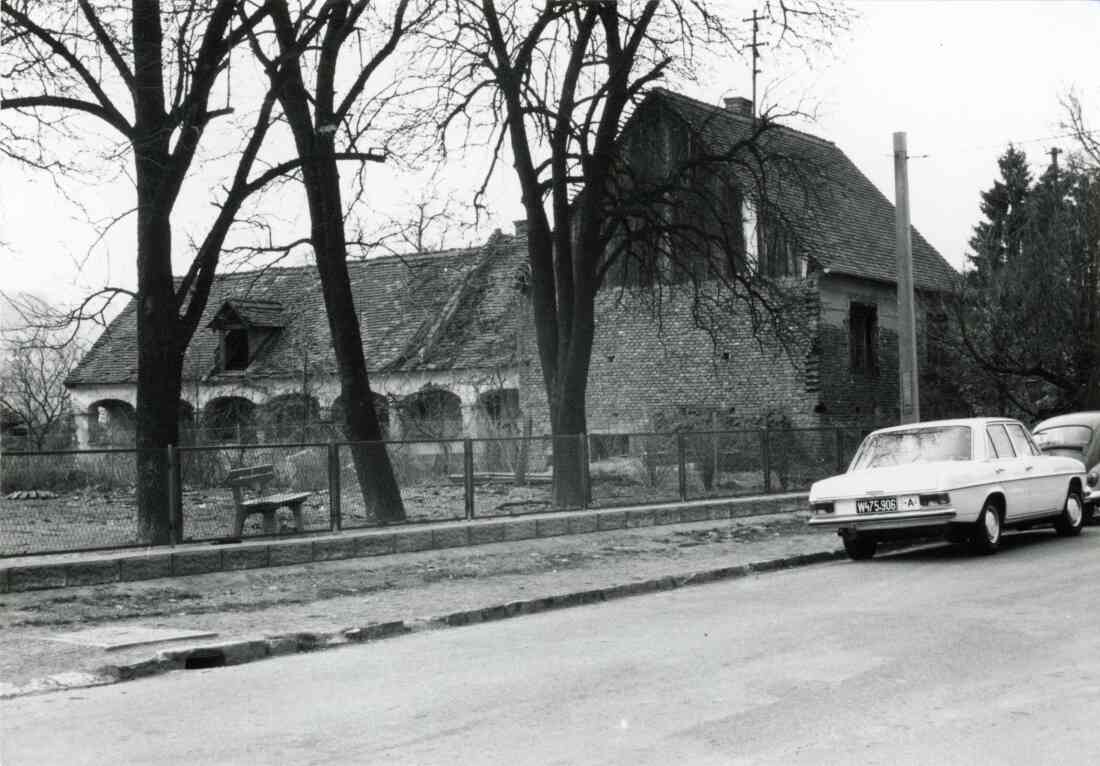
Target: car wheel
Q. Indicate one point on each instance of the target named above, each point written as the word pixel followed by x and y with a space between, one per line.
pixel 860 547
pixel 986 535
pixel 1072 518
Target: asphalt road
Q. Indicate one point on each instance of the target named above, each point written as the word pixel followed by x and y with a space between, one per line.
pixel 928 656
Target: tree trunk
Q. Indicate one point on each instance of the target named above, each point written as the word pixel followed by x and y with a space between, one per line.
pixel 381 495
pixel 159 362
pixel 157 427
pixel 160 367
pixel 321 179
pixel 569 423
pixel 570 464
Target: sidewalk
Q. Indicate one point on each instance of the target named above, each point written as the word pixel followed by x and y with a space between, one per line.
pixel 258 613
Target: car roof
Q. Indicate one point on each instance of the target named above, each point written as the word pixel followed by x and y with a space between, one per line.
pixel 1090 419
pixel 968 422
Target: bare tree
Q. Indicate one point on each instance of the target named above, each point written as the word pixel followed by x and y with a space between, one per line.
pixel 557 83
pixel 33 368
pixel 1088 141
pixel 318 121
pixel 146 73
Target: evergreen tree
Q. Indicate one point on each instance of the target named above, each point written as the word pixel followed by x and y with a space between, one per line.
pixel 997 239
pixel 1028 314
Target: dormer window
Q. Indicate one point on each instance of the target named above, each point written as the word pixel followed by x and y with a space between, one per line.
pixel 235 344
pixel 246 327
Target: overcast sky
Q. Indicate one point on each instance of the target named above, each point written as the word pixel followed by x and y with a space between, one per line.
pixel 963 79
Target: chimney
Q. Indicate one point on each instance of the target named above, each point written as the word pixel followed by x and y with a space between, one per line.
pixel 739 105
pixel 521 227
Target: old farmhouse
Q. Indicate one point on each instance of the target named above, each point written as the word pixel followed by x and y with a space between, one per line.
pixel 450 346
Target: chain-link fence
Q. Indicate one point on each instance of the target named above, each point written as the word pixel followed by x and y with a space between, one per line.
pixel 725 463
pixel 430 477
pixel 63 501
pixel 629 469
pixel 208 503
pixel 512 476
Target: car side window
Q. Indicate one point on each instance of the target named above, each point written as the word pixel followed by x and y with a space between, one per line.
pixel 990 447
pixel 1020 442
pixel 1031 443
pixel 1002 445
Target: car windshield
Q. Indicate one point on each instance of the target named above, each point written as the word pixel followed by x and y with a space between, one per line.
pixel 926 445
pixel 1063 437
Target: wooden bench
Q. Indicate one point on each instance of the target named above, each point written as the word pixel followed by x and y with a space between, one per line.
pixel 268 505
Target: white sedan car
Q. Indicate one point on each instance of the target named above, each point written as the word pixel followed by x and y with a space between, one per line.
pixel 966 480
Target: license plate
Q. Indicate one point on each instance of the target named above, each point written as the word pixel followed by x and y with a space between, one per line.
pixel 877 505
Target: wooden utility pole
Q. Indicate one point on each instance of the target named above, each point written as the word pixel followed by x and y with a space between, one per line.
pixel 909 399
pixel 755 19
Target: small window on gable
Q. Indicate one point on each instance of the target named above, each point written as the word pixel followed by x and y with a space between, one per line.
pixel 863 338
pixel 769 249
pixel 236 349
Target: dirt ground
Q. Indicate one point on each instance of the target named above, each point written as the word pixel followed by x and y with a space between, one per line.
pixel 96 517
pixel 331 596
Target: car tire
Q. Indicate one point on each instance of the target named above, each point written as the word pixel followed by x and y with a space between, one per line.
pixel 1072 518
pixel 860 547
pixel 985 538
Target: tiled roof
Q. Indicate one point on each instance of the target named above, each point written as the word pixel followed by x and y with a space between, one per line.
pixel 848 224
pixel 252 312
pixel 453 309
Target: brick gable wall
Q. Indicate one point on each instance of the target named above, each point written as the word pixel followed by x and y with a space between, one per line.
pixel 646 369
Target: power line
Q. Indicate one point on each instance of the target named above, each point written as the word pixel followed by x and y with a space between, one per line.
pixel 1001 144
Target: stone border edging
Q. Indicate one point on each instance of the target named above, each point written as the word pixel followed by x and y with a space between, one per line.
pixel 97 569
pixel 239 652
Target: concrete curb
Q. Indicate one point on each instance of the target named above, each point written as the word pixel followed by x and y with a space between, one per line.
pixel 226 653
pixel 127 566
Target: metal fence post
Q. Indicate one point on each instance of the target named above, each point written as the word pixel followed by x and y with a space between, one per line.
pixel 586 477
pixel 681 465
pixel 336 521
pixel 468 475
pixel 175 496
pixel 765 461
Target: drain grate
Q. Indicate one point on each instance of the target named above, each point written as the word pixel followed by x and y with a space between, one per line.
pixel 201 659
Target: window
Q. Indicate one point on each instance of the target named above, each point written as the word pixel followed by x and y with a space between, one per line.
pixel 1002 445
pixel 925 445
pixel 768 247
pixel 235 345
pixel 863 337
pixel 1076 437
pixel 1020 440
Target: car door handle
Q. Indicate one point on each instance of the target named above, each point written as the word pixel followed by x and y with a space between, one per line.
pixel 1028 467
pixel 998 470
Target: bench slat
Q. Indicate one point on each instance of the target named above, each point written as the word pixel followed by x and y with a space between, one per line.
pixel 250 475
pixel 288 498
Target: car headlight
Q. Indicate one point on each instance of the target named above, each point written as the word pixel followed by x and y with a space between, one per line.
pixel 823 507
pixel 1093 477
pixel 939 498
